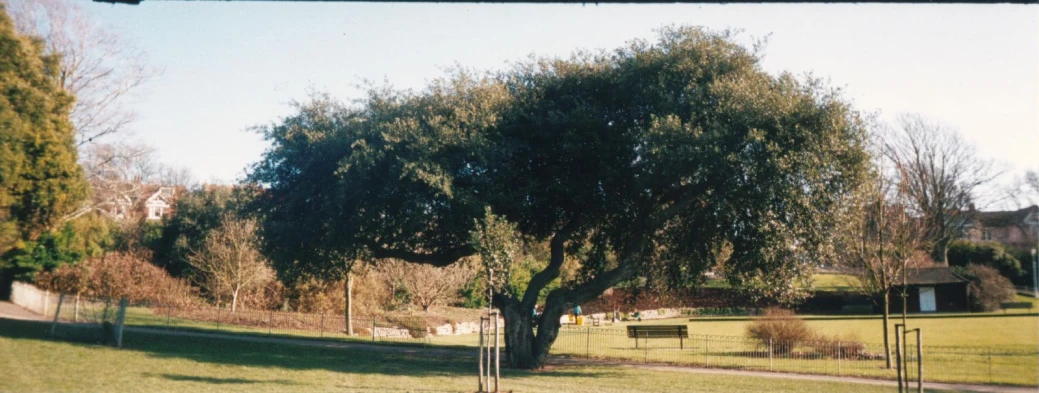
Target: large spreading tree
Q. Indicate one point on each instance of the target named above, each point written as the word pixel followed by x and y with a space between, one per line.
pixel 640 162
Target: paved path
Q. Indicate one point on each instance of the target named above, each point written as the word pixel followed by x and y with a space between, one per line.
pixel 11 311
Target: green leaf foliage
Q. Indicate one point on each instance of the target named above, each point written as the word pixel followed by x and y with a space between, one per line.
pixel 195 214
pixel 40 180
pixel 642 161
pixel 965 252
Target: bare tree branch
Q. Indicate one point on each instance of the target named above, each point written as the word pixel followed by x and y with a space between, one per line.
pixel 941 173
pixel 98 66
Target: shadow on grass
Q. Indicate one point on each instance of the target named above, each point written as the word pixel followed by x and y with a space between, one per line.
pixel 217 381
pixel 385 361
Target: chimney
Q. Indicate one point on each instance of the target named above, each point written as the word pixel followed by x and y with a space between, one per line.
pixel 970 207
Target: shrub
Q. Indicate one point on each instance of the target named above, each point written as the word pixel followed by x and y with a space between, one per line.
pixel 991 254
pixel 987 287
pixel 782 328
pixel 847 346
pixel 117 275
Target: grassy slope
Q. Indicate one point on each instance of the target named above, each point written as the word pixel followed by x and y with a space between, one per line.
pixel 163 363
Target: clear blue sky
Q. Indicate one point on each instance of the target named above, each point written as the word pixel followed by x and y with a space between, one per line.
pixel 229 66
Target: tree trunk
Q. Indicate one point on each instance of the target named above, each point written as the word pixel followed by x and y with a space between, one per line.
pixel 234 300
pixel 887 334
pixel 524 349
pixel 348 307
pixel 940 252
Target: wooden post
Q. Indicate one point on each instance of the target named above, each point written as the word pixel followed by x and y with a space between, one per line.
pixel 270 323
pixel 120 319
pixel 54 326
pixel 218 316
pixel 487 380
pixel 75 310
pixel 321 329
pixel 373 328
pixel 481 387
pixel 919 362
pixel 169 310
pixel 898 354
pixel 46 301
pixel 497 354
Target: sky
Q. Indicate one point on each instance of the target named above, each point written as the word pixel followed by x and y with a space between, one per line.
pixel 229 66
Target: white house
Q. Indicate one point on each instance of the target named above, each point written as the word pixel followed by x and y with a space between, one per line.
pixel 158 204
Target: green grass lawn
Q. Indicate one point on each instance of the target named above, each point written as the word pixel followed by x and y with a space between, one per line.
pixel 1011 337
pixel 153 363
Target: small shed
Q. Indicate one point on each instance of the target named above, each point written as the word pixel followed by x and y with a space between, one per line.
pixel 931 289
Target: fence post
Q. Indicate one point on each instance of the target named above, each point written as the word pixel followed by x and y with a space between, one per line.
pixel 707 351
pixel 46 300
pixel 770 354
pixel 990 365
pixel 588 343
pixel 270 323
pixel 218 316
pixel 840 352
pixel 120 319
pixel 169 310
pixel 75 310
pixel 919 362
pixel 322 328
pixel 54 326
pixel 645 347
pixel 373 328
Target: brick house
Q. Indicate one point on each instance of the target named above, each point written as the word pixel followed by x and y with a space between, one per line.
pixel 1015 229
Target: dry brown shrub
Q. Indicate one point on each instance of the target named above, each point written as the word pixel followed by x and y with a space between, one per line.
pixel 848 346
pixel 782 328
pixel 116 275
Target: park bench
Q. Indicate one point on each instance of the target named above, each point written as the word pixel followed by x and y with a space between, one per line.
pixel 1021 305
pixel 681 332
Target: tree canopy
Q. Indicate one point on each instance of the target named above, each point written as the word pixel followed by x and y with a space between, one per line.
pixel 40 180
pixel 645 160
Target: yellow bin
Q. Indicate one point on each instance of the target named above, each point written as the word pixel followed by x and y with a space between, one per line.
pixel 580 320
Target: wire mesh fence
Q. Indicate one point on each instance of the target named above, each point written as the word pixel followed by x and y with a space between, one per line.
pixel 985 365
pixel 196 317
pixel 1013 366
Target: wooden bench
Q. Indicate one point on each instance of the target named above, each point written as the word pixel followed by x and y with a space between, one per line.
pixel 681 332
pixel 1021 305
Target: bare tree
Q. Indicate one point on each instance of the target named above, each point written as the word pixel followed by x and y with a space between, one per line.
pixel 941 174
pixel 98 66
pixel 173 176
pixel 1032 182
pixel 880 243
pixel 229 261
pixel 117 173
pixel 428 285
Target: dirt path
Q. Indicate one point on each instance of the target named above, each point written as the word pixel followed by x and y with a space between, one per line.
pixel 11 311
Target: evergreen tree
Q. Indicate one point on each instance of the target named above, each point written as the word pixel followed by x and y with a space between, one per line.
pixel 40 179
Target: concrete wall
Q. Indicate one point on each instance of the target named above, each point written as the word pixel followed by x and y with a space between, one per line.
pixel 33 299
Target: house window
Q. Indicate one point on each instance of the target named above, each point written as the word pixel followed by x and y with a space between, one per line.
pixel 986 235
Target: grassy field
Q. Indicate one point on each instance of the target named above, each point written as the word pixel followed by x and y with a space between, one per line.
pixel 32 363
pixel 1003 345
